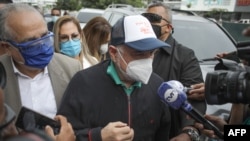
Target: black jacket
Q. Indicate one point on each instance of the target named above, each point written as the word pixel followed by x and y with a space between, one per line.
pixel 50 26
pixel 92 100
pixel 179 63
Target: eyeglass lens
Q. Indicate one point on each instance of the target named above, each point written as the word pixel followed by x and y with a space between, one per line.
pixel 74 37
pixel 154 18
pixel 34 44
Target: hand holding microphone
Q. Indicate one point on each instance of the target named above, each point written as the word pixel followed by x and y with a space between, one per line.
pixel 172 93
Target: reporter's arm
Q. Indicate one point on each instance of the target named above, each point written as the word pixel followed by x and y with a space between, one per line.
pixel 217 121
pixel 237 113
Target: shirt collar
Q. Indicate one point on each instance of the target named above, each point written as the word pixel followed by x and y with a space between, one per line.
pixel 18 72
pixel 111 70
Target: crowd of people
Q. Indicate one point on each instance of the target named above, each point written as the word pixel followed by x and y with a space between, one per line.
pixel 100 82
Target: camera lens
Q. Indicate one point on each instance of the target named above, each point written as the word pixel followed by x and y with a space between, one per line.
pixel 227 86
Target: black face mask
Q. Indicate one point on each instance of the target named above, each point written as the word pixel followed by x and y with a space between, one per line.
pixel 157 30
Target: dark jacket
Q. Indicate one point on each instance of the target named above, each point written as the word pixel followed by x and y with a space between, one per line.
pixel 50 26
pixel 179 63
pixel 92 100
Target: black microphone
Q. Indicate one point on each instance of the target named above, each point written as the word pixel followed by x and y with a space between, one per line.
pixel 172 93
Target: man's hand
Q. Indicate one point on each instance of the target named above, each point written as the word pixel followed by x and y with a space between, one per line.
pixel 217 121
pixel 117 131
pixel 66 131
pixel 197 92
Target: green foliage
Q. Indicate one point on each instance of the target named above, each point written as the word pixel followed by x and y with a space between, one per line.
pixel 101 4
pixel 189 5
pixel 69 4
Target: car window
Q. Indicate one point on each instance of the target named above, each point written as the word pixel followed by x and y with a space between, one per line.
pixel 205 38
pixel 115 17
pixel 107 15
pixel 84 17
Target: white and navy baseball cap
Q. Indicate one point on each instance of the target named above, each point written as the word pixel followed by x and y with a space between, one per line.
pixel 136 32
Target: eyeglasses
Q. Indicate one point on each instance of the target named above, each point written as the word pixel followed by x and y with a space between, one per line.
pixel 154 18
pixel 74 37
pixel 34 44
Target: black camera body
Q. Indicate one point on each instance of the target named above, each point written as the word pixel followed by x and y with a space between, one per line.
pixel 230 82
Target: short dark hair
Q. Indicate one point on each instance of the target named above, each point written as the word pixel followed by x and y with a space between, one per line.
pixel 6 1
pixel 56 8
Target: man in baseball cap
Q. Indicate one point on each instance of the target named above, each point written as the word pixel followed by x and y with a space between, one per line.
pixel 133 36
pixel 123 87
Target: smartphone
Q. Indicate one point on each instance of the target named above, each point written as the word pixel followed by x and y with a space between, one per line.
pixel 28 120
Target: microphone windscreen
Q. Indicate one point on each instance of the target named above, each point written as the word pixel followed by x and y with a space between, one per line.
pixel 174 97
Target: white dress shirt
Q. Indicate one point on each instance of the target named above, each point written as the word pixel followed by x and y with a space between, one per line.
pixel 37 93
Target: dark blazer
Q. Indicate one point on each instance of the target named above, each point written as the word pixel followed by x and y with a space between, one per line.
pixel 179 63
pixel 50 26
pixel 61 69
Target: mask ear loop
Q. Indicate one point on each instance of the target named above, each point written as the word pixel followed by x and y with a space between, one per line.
pixel 169 25
pixel 122 57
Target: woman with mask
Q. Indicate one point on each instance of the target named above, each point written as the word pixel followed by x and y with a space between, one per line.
pixel 69 40
pixel 97 32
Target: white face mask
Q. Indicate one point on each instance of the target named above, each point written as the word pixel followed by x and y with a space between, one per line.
pixel 104 48
pixel 139 70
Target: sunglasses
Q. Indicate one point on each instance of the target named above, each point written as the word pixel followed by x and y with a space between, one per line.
pixel 34 44
pixel 154 18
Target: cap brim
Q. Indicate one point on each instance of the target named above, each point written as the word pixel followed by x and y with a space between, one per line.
pixel 147 44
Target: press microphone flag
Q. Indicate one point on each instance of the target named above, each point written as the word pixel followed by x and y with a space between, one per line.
pixel 172 93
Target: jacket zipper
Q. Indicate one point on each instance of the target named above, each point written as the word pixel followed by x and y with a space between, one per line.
pixel 129 110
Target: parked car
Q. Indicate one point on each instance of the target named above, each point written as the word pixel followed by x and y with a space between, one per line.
pixel 116 11
pixel 85 14
pixel 244 21
pixel 204 36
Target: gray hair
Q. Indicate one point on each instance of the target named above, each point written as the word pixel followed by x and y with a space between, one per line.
pixel 6 32
pixel 165 6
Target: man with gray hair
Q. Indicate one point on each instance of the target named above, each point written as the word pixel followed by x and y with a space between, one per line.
pixel 116 100
pixel 37 77
pixel 176 63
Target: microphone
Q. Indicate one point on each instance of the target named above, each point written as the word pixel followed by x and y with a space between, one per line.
pixel 172 93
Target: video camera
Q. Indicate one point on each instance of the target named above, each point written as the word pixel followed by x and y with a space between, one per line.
pixel 230 82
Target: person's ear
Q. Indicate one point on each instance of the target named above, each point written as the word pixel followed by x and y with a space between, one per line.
pixel 4 47
pixel 169 29
pixel 112 52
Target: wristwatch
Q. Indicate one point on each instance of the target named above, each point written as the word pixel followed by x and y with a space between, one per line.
pixel 193 134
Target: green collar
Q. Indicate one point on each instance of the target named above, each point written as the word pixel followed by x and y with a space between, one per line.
pixel 114 75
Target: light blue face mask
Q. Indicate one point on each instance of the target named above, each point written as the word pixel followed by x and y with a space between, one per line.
pixel 71 48
pixel 54 18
